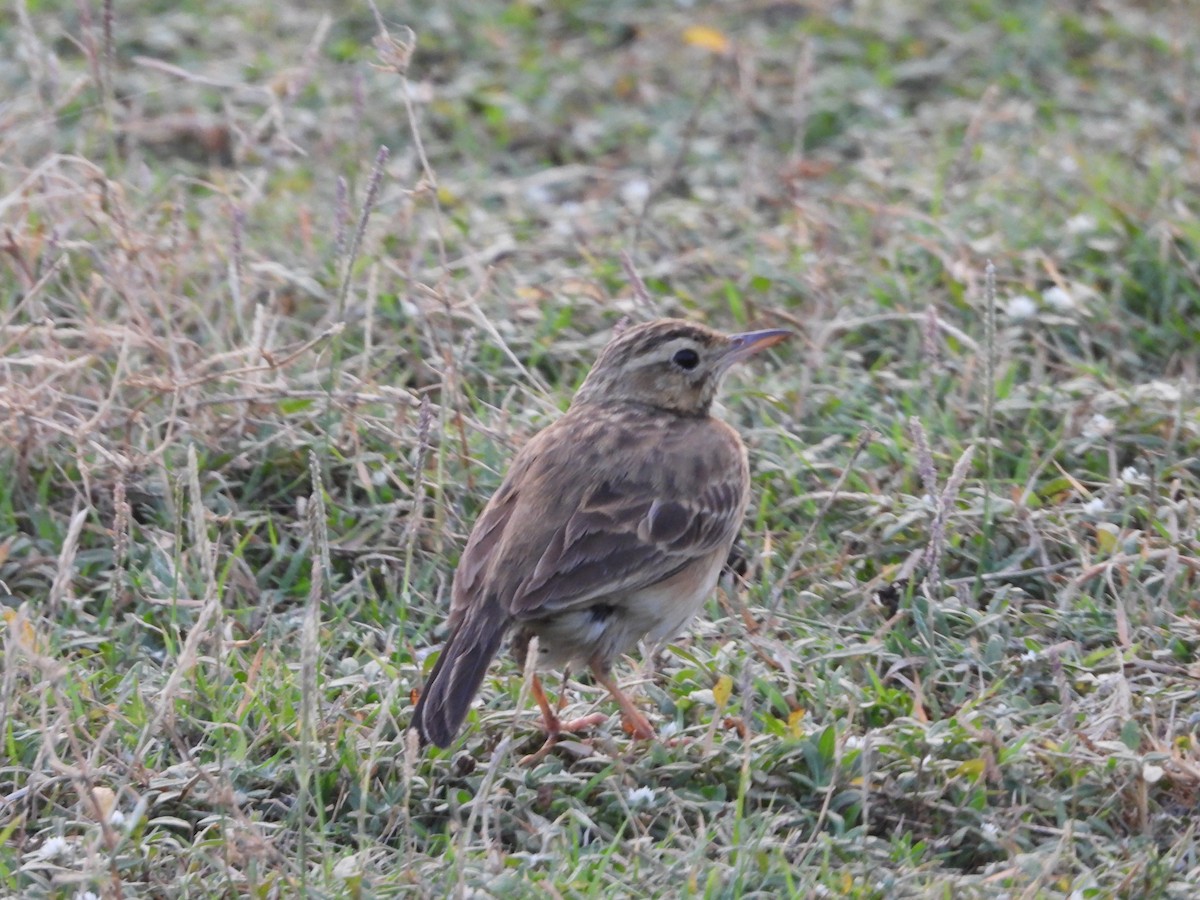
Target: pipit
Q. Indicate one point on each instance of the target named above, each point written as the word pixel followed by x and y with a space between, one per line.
pixel 612 524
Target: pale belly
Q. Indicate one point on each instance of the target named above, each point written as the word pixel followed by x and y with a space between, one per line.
pixel 607 628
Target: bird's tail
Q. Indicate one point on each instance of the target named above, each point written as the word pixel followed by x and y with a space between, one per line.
pixel 457 675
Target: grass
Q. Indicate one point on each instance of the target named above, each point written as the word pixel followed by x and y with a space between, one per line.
pixel 258 376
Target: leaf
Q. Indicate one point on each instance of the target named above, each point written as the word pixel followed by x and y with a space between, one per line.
pixel 736 306
pixel 706 38
pixel 972 768
pixel 295 405
pixel 1106 537
pixel 722 691
pixel 1131 735
pixel 795 717
pixel 827 744
pixel 21 628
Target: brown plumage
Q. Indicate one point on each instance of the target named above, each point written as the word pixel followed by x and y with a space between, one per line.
pixel 611 525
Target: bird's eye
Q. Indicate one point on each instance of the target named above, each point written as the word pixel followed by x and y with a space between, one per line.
pixel 686 359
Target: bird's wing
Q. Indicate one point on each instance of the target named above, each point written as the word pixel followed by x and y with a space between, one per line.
pixel 478 621
pixel 631 516
pixel 470 576
pixel 623 538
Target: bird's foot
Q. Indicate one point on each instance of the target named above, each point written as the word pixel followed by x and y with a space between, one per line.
pixel 636 725
pixel 533 759
pixel 583 723
pixel 556 731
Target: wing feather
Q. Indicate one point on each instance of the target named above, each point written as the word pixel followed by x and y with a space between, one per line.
pixel 579 517
pixel 627 532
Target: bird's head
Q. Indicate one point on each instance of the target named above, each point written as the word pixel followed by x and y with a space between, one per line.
pixel 669 364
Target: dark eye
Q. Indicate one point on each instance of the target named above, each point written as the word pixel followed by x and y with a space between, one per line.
pixel 686 359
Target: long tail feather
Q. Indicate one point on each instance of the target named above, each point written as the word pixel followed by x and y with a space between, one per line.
pixel 457 674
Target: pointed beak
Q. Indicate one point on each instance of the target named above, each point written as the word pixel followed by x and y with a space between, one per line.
pixel 750 342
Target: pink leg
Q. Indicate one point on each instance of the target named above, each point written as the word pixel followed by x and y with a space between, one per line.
pixel 636 723
pixel 555 727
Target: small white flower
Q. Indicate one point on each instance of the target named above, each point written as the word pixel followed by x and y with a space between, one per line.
pixel 87 895
pixel 116 817
pixel 348 867
pixel 1151 773
pixel 54 848
pixel 641 798
pixel 1056 298
pixel 539 195
pixel 1099 425
pixel 854 742
pixel 1132 476
pixel 990 831
pixel 635 193
pixel 1094 507
pixel 565 222
pixel 1029 656
pixel 668 729
pixel 1156 391
pixel 1080 224
pixel 1021 307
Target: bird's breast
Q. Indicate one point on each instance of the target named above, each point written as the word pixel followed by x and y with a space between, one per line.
pixel 611 626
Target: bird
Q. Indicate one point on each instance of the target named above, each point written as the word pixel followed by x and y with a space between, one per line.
pixel 612 525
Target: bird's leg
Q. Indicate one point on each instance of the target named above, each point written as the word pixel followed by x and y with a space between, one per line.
pixel 555 727
pixel 562 691
pixel 583 723
pixel 636 723
pixel 550 719
pixel 550 722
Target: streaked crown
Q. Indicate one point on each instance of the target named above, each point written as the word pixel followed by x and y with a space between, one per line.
pixel 669 364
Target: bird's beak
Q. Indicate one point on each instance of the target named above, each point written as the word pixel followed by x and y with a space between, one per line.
pixel 750 342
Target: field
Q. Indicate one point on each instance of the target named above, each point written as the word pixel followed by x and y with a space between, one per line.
pixel 282 290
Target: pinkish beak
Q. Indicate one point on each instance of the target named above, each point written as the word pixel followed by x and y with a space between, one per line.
pixel 750 342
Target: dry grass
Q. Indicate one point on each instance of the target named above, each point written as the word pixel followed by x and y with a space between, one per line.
pixel 257 376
